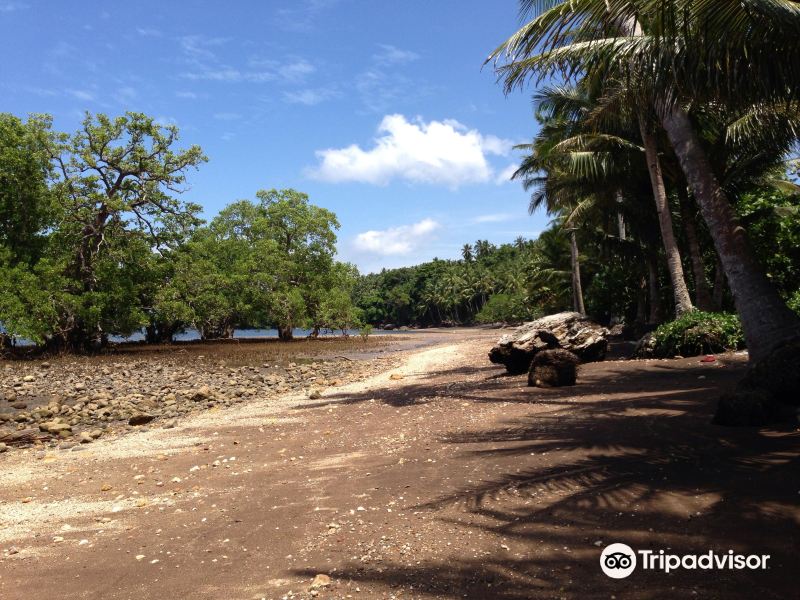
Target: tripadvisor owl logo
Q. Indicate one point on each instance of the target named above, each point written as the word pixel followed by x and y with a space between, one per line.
pixel 618 561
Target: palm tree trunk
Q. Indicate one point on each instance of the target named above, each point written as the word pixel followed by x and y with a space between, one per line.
pixel 577 290
pixel 702 293
pixel 621 220
pixel 766 320
pixel 652 289
pixel 683 303
pixel 718 293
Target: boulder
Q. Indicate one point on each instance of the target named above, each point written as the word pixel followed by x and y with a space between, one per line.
pixel 553 368
pixel 568 330
pixel 767 394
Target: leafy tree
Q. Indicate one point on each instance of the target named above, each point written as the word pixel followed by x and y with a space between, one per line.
pixel 26 204
pixel 115 182
pixel 665 46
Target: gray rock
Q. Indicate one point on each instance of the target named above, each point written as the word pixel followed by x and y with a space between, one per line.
pixel 568 330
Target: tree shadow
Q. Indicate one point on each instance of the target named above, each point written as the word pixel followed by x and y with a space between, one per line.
pixel 629 456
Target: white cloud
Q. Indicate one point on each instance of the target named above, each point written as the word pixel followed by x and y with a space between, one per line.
pixel 296 70
pixel 149 32
pixel 437 152
pixel 186 95
pixel 230 75
pixel 505 175
pixel 493 218
pixel 391 55
pixel 81 95
pixel 396 240
pixel 310 97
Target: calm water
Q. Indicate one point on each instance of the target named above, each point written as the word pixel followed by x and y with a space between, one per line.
pixel 192 334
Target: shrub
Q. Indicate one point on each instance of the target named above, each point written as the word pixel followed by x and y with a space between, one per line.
pixel 794 302
pixel 366 331
pixel 697 333
pixel 505 308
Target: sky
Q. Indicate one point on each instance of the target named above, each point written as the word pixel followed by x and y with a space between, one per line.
pixel 382 112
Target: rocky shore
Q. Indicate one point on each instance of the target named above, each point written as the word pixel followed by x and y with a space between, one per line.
pixel 71 402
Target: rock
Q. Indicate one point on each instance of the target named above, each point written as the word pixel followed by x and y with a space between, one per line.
pixel 3 447
pixel 395 376
pixel 778 373
pixel 646 346
pixel 557 367
pixel 768 392
pixel 19 405
pixel 201 393
pixel 28 378
pixel 55 427
pixel 568 330
pixel 315 395
pixel 745 407
pixel 85 438
pixel 320 581
pixel 140 419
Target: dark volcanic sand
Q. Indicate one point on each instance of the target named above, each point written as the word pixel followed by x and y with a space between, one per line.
pixel 454 481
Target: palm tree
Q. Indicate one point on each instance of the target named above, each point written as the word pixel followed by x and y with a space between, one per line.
pixel 751 46
pixel 577 170
pixel 466 253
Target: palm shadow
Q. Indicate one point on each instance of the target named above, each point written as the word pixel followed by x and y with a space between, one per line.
pixel 630 456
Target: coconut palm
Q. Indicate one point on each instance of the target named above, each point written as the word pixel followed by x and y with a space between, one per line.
pixel 686 52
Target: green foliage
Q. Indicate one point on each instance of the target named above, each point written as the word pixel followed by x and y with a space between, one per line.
pixel 259 264
pixel 773 225
pixel 365 331
pixel 794 302
pixel 26 204
pixel 696 333
pixel 505 308
pixel 455 291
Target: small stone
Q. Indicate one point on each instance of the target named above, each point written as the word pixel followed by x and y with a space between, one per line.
pixel 139 556
pixel 320 581
pixel 395 377
pixel 3 447
pixel 315 395
pixel 85 438
pixel 12 550
pixel 141 419
pixel 106 487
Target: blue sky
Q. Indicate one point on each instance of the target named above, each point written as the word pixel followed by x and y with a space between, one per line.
pixel 379 111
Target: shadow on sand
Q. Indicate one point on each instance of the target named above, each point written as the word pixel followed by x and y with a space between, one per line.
pixel 629 455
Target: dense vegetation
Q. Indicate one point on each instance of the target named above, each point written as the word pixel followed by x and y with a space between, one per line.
pixel 672 188
pixel 95 241
pixel 662 107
